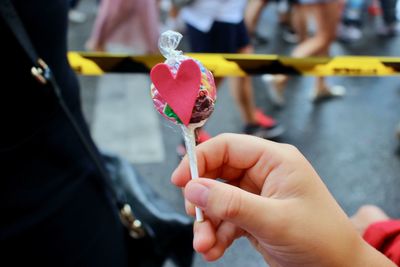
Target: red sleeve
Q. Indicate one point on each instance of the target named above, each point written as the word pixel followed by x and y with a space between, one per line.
pixel 385 237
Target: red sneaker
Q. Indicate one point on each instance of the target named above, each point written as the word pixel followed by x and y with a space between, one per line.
pixel 202 136
pixel 265 127
pixel 263 119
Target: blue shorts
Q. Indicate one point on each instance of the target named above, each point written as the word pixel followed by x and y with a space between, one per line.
pixel 223 37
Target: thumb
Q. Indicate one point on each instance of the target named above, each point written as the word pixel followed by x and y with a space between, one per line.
pixel 248 211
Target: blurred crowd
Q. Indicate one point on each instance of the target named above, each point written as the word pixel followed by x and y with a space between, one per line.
pixel 354 16
pixel 230 26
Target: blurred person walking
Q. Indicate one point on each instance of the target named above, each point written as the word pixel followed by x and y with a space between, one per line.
pixel 350 28
pixel 389 26
pixel 128 25
pixel 326 14
pixel 253 13
pixel 382 12
pixel 173 20
pixel 252 16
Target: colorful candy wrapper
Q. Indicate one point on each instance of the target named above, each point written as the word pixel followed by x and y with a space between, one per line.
pixel 183 91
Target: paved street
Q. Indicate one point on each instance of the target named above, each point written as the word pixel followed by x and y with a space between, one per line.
pixel 350 141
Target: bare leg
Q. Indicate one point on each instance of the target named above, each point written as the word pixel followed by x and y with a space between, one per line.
pixel 149 17
pixel 252 14
pixel 172 21
pixel 326 17
pixel 299 22
pixel 300 26
pixel 366 215
pixel 242 91
pixel 279 81
pixel 111 14
pixel 218 81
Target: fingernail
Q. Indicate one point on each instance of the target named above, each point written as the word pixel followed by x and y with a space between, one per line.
pixel 173 177
pixel 189 207
pixel 197 194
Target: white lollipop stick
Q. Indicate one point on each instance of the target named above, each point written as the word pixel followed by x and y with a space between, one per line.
pixel 190 143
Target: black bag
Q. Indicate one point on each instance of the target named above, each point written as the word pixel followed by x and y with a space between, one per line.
pixel 154 231
pixel 157 231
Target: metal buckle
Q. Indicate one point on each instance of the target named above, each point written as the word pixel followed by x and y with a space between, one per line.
pixel 133 225
pixel 41 72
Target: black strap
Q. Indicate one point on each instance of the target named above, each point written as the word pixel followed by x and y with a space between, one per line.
pixel 12 19
pixel 42 72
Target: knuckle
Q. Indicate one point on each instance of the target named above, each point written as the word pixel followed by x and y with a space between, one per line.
pixel 224 136
pixel 291 148
pixel 292 153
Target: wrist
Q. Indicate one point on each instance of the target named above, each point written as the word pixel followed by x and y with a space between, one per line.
pixel 366 255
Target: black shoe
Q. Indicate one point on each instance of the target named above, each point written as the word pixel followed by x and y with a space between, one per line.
pixel 257 39
pixel 388 31
pixel 270 132
pixel 168 234
pixel 289 35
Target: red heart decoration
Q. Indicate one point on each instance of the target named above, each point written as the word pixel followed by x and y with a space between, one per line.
pixel 179 91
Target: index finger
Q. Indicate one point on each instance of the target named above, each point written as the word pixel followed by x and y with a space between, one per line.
pixel 230 156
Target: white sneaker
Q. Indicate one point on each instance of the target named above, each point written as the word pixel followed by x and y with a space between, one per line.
pixel 349 33
pixel 388 30
pixel 275 95
pixel 76 16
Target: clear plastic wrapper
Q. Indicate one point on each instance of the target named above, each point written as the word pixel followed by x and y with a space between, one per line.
pixel 206 96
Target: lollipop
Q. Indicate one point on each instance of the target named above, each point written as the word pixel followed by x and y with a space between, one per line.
pixel 184 92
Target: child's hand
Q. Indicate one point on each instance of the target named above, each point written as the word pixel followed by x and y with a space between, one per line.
pixel 273 196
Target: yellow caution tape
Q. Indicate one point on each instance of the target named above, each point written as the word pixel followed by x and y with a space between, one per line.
pixel 354 66
pixel 223 65
pixel 84 66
